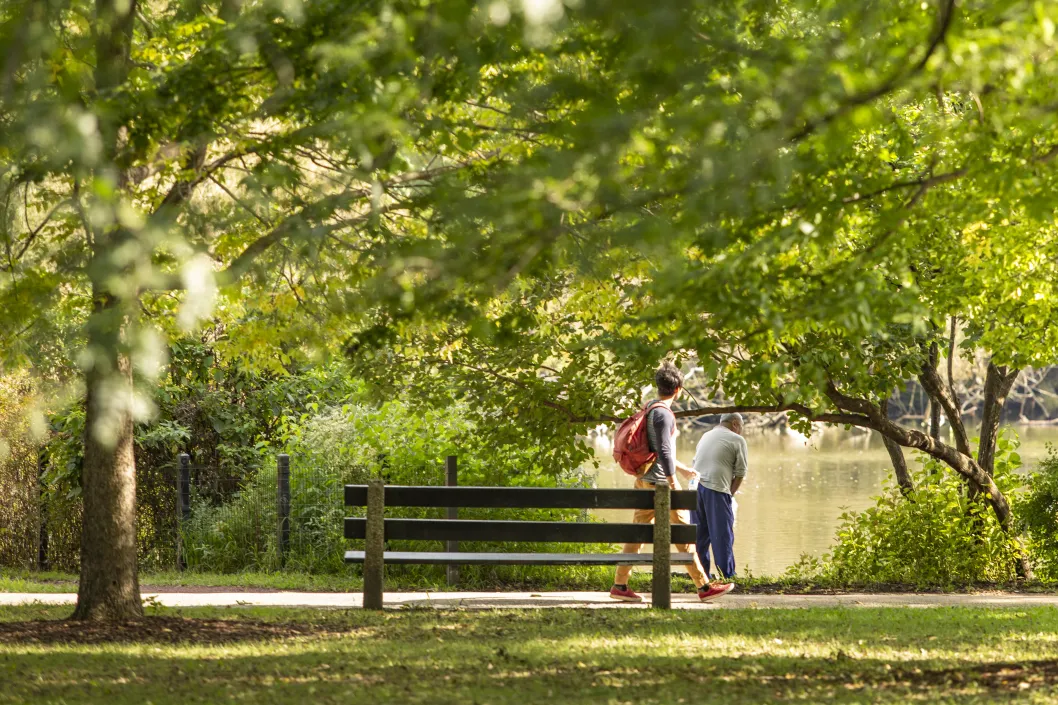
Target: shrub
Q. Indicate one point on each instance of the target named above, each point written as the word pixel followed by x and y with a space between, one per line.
pixel 350 444
pixel 1038 511
pixel 18 472
pixel 937 537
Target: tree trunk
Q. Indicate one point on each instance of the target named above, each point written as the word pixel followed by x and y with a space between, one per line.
pixel 998 382
pixel 870 416
pixel 934 405
pixel 896 455
pixel 972 471
pixel 109 587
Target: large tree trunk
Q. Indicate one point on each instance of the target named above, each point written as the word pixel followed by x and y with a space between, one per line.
pixel 109 587
pixel 998 382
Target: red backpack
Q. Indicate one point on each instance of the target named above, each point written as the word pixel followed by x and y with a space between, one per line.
pixel 631 448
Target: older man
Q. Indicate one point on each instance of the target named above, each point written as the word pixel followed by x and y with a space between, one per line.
pixel 721 460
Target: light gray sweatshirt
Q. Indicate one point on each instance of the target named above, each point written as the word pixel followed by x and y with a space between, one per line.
pixel 721 456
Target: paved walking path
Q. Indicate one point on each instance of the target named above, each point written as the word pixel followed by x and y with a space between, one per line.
pixel 491 600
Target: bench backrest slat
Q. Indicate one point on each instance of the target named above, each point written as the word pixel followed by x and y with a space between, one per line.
pixel 517 497
pixel 522 531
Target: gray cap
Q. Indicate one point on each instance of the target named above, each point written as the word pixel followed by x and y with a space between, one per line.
pixel 728 419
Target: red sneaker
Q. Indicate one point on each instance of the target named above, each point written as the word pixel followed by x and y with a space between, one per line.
pixel 625 595
pixel 708 593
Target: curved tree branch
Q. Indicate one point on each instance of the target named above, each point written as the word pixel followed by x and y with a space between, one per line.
pixel 941 398
pixel 940 31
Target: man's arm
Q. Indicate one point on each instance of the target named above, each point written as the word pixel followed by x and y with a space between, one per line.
pixel 741 465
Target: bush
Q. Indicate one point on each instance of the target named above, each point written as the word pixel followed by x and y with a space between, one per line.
pixel 238 535
pixel 348 445
pixel 1038 511
pixel 18 473
pixel 937 537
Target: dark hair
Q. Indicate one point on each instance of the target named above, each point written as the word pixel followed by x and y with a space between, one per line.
pixel 668 378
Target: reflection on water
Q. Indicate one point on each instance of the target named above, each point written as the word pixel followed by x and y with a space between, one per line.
pixel 797 489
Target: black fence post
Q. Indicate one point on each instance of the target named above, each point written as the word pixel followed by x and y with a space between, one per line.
pixel 283 506
pixel 183 507
pixel 452 480
pixel 42 514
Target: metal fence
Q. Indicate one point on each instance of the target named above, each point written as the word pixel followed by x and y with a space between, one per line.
pixel 285 514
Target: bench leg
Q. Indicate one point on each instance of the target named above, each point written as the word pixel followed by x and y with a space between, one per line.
pixel 373 551
pixel 661 592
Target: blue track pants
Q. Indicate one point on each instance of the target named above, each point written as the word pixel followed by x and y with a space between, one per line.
pixel 716 531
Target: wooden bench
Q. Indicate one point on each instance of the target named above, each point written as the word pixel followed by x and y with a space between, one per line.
pixel 376 529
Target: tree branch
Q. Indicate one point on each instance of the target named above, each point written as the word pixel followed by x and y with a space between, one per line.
pixel 896 457
pixel 927 181
pixel 951 361
pixel 940 30
pixel 939 394
pixel 32 236
pixel 181 190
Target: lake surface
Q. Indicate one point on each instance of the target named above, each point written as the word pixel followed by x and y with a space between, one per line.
pixel 796 490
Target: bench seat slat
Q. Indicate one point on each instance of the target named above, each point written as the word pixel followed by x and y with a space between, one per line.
pixel 430 558
pixel 517 497
pixel 527 531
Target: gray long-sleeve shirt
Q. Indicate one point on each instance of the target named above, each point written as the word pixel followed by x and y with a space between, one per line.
pixel 721 456
pixel 660 425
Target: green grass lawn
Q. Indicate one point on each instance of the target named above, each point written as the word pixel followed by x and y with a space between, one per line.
pixel 956 655
pixel 512 578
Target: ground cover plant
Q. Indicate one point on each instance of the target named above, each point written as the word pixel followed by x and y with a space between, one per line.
pixel 954 655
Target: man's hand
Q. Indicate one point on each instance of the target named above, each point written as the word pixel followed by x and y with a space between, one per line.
pixel 686 472
pixel 735 484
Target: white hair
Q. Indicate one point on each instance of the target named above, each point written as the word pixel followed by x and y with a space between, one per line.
pixel 730 419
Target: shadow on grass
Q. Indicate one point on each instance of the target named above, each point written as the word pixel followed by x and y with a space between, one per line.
pixel 500 676
pixel 554 656
pixel 155 630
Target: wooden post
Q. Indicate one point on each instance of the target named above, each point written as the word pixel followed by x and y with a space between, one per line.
pixel 374 566
pixel 283 506
pixel 183 507
pixel 661 592
pixel 452 480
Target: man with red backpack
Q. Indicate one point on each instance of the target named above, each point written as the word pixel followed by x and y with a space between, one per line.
pixel 658 464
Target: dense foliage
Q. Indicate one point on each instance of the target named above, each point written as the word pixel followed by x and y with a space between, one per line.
pixel 330 447
pixel 1038 511
pixel 220 412
pixel 935 536
pixel 18 472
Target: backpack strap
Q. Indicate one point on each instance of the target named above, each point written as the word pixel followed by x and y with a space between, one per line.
pixel 655 405
pixel 646 420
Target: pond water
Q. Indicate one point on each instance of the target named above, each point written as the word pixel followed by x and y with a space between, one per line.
pixel 797 488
